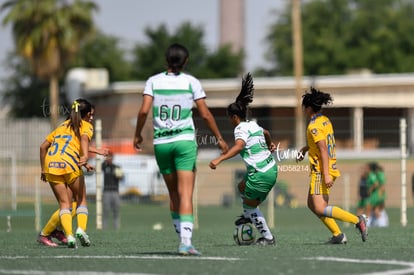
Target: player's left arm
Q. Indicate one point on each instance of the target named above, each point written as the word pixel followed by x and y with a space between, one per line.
pixel 84 144
pixel 103 151
pixel 211 123
pixel 269 141
pixel 234 150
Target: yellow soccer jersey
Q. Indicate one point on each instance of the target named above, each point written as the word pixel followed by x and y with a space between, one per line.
pixel 320 128
pixel 63 155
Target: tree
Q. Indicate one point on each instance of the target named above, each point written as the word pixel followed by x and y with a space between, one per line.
pixel 24 92
pixel 48 33
pixel 104 51
pixel 150 58
pixel 344 35
pixel 222 64
pixel 381 29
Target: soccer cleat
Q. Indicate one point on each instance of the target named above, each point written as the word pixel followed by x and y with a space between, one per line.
pixel 340 239
pixel 242 220
pixel 46 240
pixel 188 250
pixel 72 242
pixel 263 241
pixel 83 237
pixel 60 236
pixel 362 227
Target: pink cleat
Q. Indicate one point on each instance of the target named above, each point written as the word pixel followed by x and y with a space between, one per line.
pixel 60 236
pixel 362 227
pixel 46 240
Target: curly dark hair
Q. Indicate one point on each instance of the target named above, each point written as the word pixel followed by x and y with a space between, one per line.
pixel 316 99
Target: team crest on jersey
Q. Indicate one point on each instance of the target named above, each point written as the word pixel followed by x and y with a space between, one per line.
pixel 169 124
pixel 314 131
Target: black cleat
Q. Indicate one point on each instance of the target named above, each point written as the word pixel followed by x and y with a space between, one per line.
pixel 340 239
pixel 242 220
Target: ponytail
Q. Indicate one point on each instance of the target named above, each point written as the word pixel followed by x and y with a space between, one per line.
pixel 79 110
pixel 245 97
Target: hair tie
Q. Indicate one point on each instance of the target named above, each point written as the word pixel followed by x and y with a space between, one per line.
pixel 75 106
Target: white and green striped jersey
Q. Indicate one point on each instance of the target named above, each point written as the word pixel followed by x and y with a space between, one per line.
pixel 173 98
pixel 255 154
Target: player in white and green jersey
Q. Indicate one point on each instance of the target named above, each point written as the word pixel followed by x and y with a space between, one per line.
pixel 255 146
pixel 171 95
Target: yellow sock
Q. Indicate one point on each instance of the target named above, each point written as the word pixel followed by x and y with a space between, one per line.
pixel 82 217
pixel 59 225
pixel 73 209
pixel 331 225
pixel 342 215
pixel 66 220
pixel 51 224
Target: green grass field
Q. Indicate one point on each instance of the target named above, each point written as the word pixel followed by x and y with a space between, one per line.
pixel 139 249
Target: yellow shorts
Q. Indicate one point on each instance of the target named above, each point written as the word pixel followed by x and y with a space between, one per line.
pixel 317 186
pixel 65 178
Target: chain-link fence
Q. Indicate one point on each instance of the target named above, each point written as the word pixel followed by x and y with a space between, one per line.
pixel 20 169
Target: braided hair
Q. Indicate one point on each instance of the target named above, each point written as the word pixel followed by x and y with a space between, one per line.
pixel 316 99
pixel 239 107
pixel 80 109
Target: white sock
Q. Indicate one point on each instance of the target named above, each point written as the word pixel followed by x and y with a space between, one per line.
pixel 382 221
pixel 259 222
pixel 186 232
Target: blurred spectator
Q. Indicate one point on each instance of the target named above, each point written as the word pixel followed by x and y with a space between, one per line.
pixel 377 197
pixel 372 195
pixel 364 191
pixel 111 199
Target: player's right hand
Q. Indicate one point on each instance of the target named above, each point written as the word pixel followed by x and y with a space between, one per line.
pixel 136 143
pixel 223 146
pixel 43 177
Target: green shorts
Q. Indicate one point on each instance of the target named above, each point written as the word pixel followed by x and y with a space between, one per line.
pixel 259 184
pixel 362 203
pixel 179 155
pixel 376 198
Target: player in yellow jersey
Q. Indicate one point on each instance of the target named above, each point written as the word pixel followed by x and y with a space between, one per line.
pixel 323 170
pixel 53 227
pixel 62 155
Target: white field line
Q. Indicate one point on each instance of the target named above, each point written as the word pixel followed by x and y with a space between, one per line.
pixel 408 270
pixel 409 266
pixel 139 257
pixel 38 272
pixel 143 257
